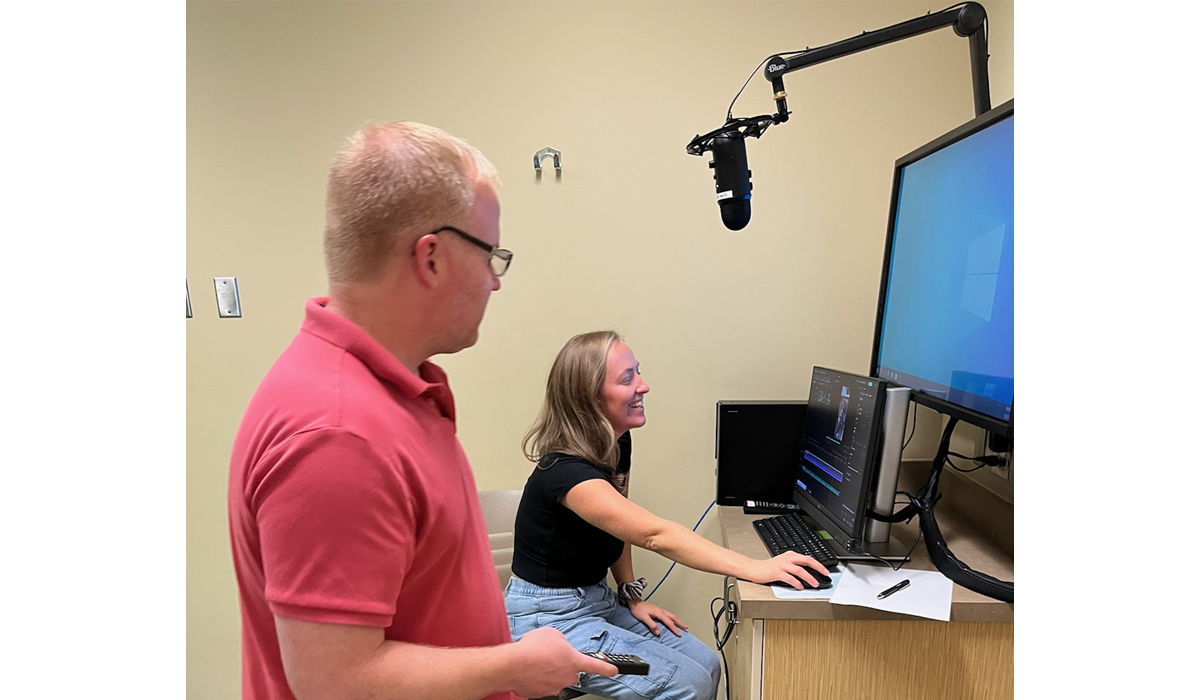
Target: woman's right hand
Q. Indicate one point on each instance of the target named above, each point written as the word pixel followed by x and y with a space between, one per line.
pixel 786 567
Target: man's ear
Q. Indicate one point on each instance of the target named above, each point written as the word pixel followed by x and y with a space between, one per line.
pixel 428 261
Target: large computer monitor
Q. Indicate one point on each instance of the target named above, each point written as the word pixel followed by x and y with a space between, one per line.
pixel 839 452
pixel 944 325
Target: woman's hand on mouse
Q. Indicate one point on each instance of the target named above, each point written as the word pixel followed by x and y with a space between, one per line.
pixel 786 567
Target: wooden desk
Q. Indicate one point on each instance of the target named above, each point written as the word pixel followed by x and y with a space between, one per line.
pixel 797 649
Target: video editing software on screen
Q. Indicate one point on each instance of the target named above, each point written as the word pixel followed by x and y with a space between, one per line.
pixel 839 434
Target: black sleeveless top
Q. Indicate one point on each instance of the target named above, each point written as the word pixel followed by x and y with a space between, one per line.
pixel 554 547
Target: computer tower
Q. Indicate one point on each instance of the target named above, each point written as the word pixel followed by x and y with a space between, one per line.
pixel 758 450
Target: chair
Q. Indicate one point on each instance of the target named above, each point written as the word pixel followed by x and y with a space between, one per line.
pixel 499 515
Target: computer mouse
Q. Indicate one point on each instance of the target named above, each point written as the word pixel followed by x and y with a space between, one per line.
pixel 823 581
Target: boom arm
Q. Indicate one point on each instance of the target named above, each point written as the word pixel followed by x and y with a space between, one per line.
pixel 969 20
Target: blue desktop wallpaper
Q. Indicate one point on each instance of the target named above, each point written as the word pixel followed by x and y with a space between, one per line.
pixel 948 315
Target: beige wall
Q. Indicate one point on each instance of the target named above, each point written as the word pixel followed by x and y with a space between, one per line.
pixel 630 238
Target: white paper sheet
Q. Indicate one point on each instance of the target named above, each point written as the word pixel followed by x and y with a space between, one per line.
pixel 928 594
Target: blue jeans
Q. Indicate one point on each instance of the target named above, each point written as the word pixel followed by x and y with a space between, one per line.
pixel 681 668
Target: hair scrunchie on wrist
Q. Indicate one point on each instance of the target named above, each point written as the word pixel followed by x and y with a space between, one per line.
pixel 631 590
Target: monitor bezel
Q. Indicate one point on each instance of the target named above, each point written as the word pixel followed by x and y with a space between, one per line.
pixel 828 521
pixel 962 413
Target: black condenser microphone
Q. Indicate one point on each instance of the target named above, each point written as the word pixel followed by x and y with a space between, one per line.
pixel 733 179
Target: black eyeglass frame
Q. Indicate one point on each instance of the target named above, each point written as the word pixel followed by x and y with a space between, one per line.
pixel 503 254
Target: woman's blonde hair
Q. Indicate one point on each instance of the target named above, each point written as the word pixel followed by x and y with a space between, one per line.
pixel 571 421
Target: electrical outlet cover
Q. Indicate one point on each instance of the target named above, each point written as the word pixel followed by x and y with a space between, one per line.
pixel 229 304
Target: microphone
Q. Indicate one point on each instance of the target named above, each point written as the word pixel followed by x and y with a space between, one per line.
pixel 728 144
pixel 733 179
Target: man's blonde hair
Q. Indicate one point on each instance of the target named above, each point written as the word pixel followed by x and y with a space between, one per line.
pixel 570 420
pixel 391 184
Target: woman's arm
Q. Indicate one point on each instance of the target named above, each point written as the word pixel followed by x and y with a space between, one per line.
pixel 622 570
pixel 597 502
pixel 647 613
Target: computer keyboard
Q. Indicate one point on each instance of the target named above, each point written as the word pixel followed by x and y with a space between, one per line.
pixel 789 532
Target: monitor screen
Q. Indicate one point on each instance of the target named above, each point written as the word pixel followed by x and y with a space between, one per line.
pixel 838 457
pixel 945 321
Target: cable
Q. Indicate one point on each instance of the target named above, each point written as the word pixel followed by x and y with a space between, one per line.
pixel 716 616
pixel 986 460
pixel 916 410
pixel 730 610
pixel 729 116
pixel 907 557
pixel 664 578
pixel 730 607
pixel 960 469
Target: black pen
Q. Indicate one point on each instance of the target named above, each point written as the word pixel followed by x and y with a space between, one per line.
pixel 894 589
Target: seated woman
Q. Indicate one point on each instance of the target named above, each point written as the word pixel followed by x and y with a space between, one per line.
pixel 575 522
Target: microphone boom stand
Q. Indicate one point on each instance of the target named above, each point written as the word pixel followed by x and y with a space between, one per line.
pixel 968 20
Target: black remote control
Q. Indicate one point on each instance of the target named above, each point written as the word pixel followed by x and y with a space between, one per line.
pixel 625 663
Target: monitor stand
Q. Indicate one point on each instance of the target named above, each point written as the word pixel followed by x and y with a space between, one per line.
pixel 891 550
pixel 883 492
pixel 877 535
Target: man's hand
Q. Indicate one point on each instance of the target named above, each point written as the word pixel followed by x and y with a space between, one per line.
pixel 647 613
pixel 786 567
pixel 547 663
pixel 347 662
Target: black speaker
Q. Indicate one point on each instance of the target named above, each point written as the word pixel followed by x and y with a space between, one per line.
pixel 758 450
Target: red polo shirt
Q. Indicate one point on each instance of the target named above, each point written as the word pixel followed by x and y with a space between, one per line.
pixel 351 502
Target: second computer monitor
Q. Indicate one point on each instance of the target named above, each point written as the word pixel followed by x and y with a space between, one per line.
pixel 838 458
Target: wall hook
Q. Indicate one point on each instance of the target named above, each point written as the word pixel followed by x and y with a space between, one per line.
pixel 548 151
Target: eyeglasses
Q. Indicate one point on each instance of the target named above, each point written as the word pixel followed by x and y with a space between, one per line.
pixel 498 258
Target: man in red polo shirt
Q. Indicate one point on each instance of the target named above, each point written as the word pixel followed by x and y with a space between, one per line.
pixel 358 541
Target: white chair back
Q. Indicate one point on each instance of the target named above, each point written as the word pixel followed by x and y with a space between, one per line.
pixel 500 514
